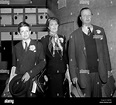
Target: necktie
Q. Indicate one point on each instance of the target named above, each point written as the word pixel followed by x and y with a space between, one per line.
pixel 25 46
pixel 89 31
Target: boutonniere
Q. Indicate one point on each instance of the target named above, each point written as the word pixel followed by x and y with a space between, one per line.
pixel 61 40
pixel 32 48
pixel 98 31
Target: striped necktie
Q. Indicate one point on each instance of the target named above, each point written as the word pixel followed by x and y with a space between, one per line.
pixel 89 31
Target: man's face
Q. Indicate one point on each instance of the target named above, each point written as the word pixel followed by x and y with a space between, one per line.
pixel 53 26
pixel 86 16
pixel 25 32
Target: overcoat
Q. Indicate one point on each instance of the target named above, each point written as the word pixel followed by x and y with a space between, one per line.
pixel 78 58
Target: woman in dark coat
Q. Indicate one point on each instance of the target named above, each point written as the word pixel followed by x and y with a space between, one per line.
pixel 55 52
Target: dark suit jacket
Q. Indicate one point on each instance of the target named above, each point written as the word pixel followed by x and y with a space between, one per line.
pixel 31 61
pixel 54 64
pixel 77 55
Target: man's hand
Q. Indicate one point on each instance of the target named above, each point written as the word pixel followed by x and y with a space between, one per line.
pixel 12 74
pixel 74 80
pixel 26 77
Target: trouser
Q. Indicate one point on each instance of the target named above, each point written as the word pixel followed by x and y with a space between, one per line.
pixel 93 87
pixel 55 85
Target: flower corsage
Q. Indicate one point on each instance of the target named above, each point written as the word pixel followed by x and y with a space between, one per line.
pixel 32 48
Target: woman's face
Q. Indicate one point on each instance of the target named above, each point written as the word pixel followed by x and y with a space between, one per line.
pixel 53 26
pixel 25 32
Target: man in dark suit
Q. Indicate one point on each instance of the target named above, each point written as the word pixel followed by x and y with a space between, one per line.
pixel 89 61
pixel 28 57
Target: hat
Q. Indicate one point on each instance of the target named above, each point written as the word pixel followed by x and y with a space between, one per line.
pixel 17 87
pixel 76 91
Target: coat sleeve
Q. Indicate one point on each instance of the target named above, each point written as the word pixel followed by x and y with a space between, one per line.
pixel 43 41
pixel 106 52
pixel 14 56
pixel 14 60
pixel 72 57
pixel 65 51
pixel 41 61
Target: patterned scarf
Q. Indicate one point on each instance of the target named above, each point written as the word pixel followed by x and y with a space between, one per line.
pixel 55 45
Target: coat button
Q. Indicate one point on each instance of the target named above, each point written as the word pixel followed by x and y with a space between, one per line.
pixel 44 60
pixel 111 94
pixel 57 94
pixel 17 83
pixel 84 48
pixel 57 71
pixel 98 83
pixel 98 60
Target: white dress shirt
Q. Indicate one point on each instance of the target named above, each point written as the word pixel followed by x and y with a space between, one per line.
pixel 27 41
pixel 85 29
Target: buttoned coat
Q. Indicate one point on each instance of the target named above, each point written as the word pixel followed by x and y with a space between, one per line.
pixel 78 58
pixel 31 61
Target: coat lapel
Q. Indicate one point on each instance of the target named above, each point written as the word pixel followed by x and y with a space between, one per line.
pixel 21 51
pixel 97 42
pixel 82 41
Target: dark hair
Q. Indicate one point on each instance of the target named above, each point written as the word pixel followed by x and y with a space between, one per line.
pixel 21 24
pixel 85 8
pixel 51 18
pixel 79 22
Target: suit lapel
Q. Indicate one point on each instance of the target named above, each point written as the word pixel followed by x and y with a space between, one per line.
pixel 48 39
pixel 97 41
pixel 21 51
pixel 82 41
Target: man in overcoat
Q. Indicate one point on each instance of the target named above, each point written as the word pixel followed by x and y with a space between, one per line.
pixel 89 60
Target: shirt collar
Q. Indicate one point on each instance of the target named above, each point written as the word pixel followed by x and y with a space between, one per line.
pixel 85 29
pixel 27 41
